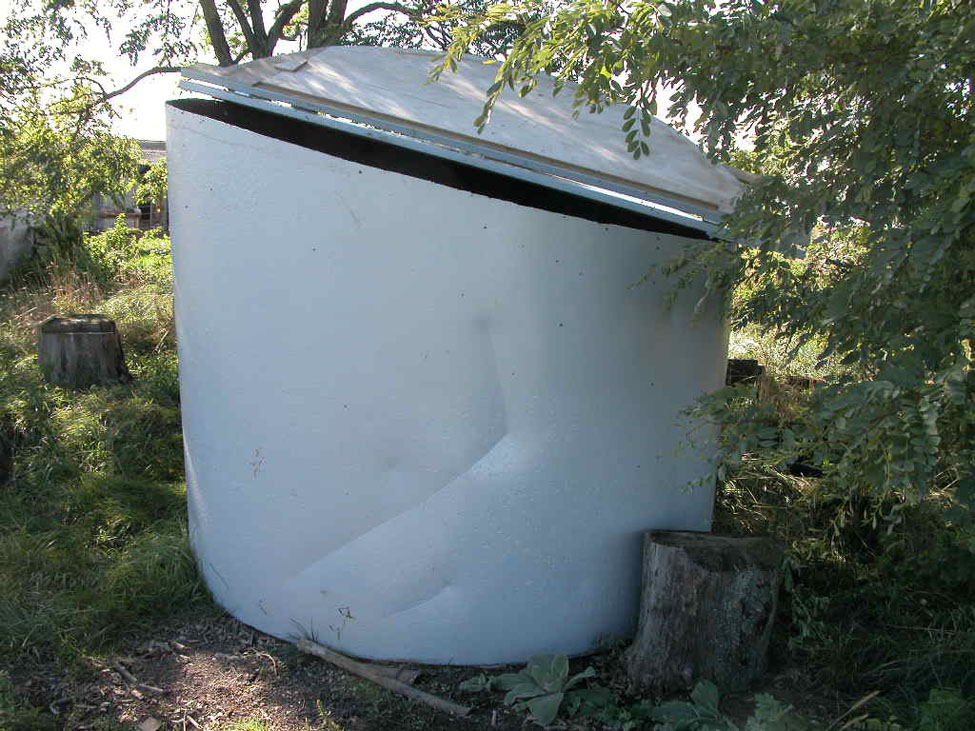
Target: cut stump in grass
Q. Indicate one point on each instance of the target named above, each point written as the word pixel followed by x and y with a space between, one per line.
pixel 78 351
pixel 706 611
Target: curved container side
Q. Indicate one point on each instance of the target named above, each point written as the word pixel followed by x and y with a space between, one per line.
pixel 421 423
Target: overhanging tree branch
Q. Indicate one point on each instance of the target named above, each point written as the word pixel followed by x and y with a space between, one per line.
pixel 140 77
pixel 372 7
pixel 285 15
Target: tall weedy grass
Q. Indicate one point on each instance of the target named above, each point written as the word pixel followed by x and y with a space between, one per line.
pixel 92 534
pixel 880 597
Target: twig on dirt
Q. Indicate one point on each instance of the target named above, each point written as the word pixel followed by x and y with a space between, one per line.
pixel 270 659
pixel 126 675
pixel 381 678
pixel 134 682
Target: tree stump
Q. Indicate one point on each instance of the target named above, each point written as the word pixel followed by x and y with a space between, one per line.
pixel 707 607
pixel 78 351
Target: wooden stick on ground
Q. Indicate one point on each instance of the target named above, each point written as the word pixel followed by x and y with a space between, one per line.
pixel 134 682
pixel 405 675
pixel 364 670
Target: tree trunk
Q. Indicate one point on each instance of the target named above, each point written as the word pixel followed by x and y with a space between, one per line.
pixel 707 607
pixel 78 351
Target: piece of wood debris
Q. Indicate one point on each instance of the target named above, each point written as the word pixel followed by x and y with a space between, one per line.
pixel 134 682
pixel 126 675
pixel 369 672
pixel 404 674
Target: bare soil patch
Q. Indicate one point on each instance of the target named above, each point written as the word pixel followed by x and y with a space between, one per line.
pixel 218 673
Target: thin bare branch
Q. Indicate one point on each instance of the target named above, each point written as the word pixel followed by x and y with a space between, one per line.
pixel 373 7
pixel 140 77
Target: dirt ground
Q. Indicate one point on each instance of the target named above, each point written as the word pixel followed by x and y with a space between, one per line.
pixel 218 674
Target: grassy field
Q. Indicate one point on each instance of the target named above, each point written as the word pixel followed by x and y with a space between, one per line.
pixel 94 561
pixel 92 530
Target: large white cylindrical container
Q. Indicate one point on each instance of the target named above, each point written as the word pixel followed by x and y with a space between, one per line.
pixel 422 423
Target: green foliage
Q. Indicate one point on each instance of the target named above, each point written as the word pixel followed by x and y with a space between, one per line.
pixel 16 717
pixel 154 185
pixel 128 253
pixel 92 537
pixel 773 715
pixel 860 113
pixel 544 688
pixel 540 688
pixel 699 714
pixel 946 710
pixel 55 157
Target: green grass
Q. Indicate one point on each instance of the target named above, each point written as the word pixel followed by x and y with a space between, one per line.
pixel 93 540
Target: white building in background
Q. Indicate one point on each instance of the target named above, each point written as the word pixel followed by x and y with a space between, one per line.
pixel 16 239
pixel 144 216
pixel 17 236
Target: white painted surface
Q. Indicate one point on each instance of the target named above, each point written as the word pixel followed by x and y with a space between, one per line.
pixel 15 243
pixel 421 423
pixel 393 84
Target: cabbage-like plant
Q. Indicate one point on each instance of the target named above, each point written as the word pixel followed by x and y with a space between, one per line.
pixel 542 686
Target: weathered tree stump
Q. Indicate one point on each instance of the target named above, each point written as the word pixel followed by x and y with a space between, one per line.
pixel 707 607
pixel 78 351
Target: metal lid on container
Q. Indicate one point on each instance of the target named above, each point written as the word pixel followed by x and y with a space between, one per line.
pixel 385 93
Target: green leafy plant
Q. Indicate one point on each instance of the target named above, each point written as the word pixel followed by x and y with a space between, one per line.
pixel 541 688
pixel 946 710
pixel 154 185
pixel 701 713
pixel 773 715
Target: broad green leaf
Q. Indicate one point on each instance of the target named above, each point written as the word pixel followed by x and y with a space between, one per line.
pixel 549 671
pixel 705 694
pixel 545 709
